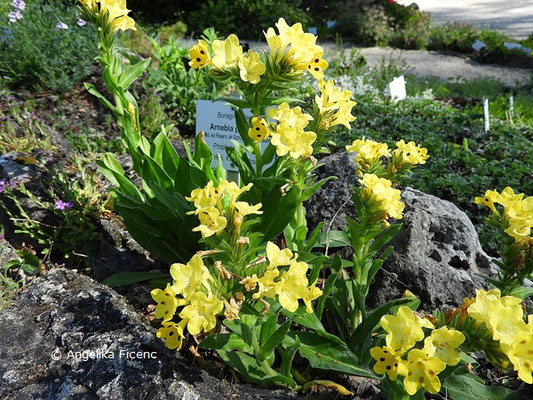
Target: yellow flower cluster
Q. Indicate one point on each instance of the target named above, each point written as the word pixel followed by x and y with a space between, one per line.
pixel 421 367
pixel 116 11
pixel 518 211
pixel 290 285
pixel 289 135
pixel 368 151
pixel 405 154
pixel 216 207
pixel 200 304
pixel 410 153
pixel 297 48
pixel 336 103
pixel 504 317
pixel 292 46
pixel 381 190
pixel 226 55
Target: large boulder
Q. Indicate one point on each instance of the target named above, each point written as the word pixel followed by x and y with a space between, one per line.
pixel 437 252
pixel 437 255
pixel 58 337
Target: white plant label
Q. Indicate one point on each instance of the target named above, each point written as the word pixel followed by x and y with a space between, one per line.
pixel 217 120
pixel 486 114
pixel 397 89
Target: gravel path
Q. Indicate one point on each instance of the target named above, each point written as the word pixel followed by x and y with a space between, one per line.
pixel 448 67
pixel 515 17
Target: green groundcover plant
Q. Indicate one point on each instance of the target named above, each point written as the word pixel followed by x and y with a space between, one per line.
pixel 44 44
pixel 282 312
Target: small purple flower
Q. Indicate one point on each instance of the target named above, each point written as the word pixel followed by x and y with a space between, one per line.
pixel 81 22
pixel 14 16
pixel 18 4
pixel 61 205
pixel 61 25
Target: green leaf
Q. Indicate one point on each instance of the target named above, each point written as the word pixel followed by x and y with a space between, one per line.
pixel 466 387
pixel 328 287
pixel 522 292
pixel 277 212
pixel 268 327
pixel 273 341
pixel 245 365
pixel 237 154
pixel 246 334
pixel 324 354
pixel 92 90
pixel 127 278
pixel 132 72
pixel 279 380
pixel 225 342
pixel 385 237
pixel 287 357
pixel 334 238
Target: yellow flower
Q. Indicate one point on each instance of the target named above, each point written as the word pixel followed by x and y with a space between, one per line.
pixel 293 117
pixel 293 140
pixel 267 285
pixel 442 344
pixel 117 14
pixel 292 286
pixel 336 103
pixel 317 66
pixel 206 197
pixel 411 152
pixel 520 353
pixel 166 302
pixel 246 209
pixel 251 67
pixel 480 309
pixel 368 151
pixel 211 222
pixel 387 361
pixel 388 197
pixel 278 257
pixel 226 53
pixel 201 312
pixel 199 55
pixel 123 23
pixel 302 46
pixel 313 293
pixel 505 321
pixel 172 333
pixel 421 371
pixel 188 278
pixel 259 130
pixel 488 200
pixel 404 329
pixel 233 189
pixel 89 4
pixel 508 197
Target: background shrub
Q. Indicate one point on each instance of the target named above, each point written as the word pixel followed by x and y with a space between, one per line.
pixel 34 52
pixel 246 18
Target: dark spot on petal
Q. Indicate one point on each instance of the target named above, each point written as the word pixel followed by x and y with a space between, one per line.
pixel 163 303
pixel 421 379
pixel 256 128
pixel 382 359
pixel 388 367
pixel 396 365
pixel 317 60
pixel 171 333
pixel 198 59
pixel 317 69
pixel 202 52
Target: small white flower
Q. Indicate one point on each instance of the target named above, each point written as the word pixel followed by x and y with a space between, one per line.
pixel 61 25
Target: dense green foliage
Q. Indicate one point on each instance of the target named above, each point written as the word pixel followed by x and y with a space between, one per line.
pixel 35 52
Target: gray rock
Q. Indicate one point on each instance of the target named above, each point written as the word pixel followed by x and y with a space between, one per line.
pixel 11 169
pixel 64 311
pixel 437 252
pixel 332 203
pixel 437 255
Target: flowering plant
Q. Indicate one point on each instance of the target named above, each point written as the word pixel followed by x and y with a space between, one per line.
pixel 261 306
